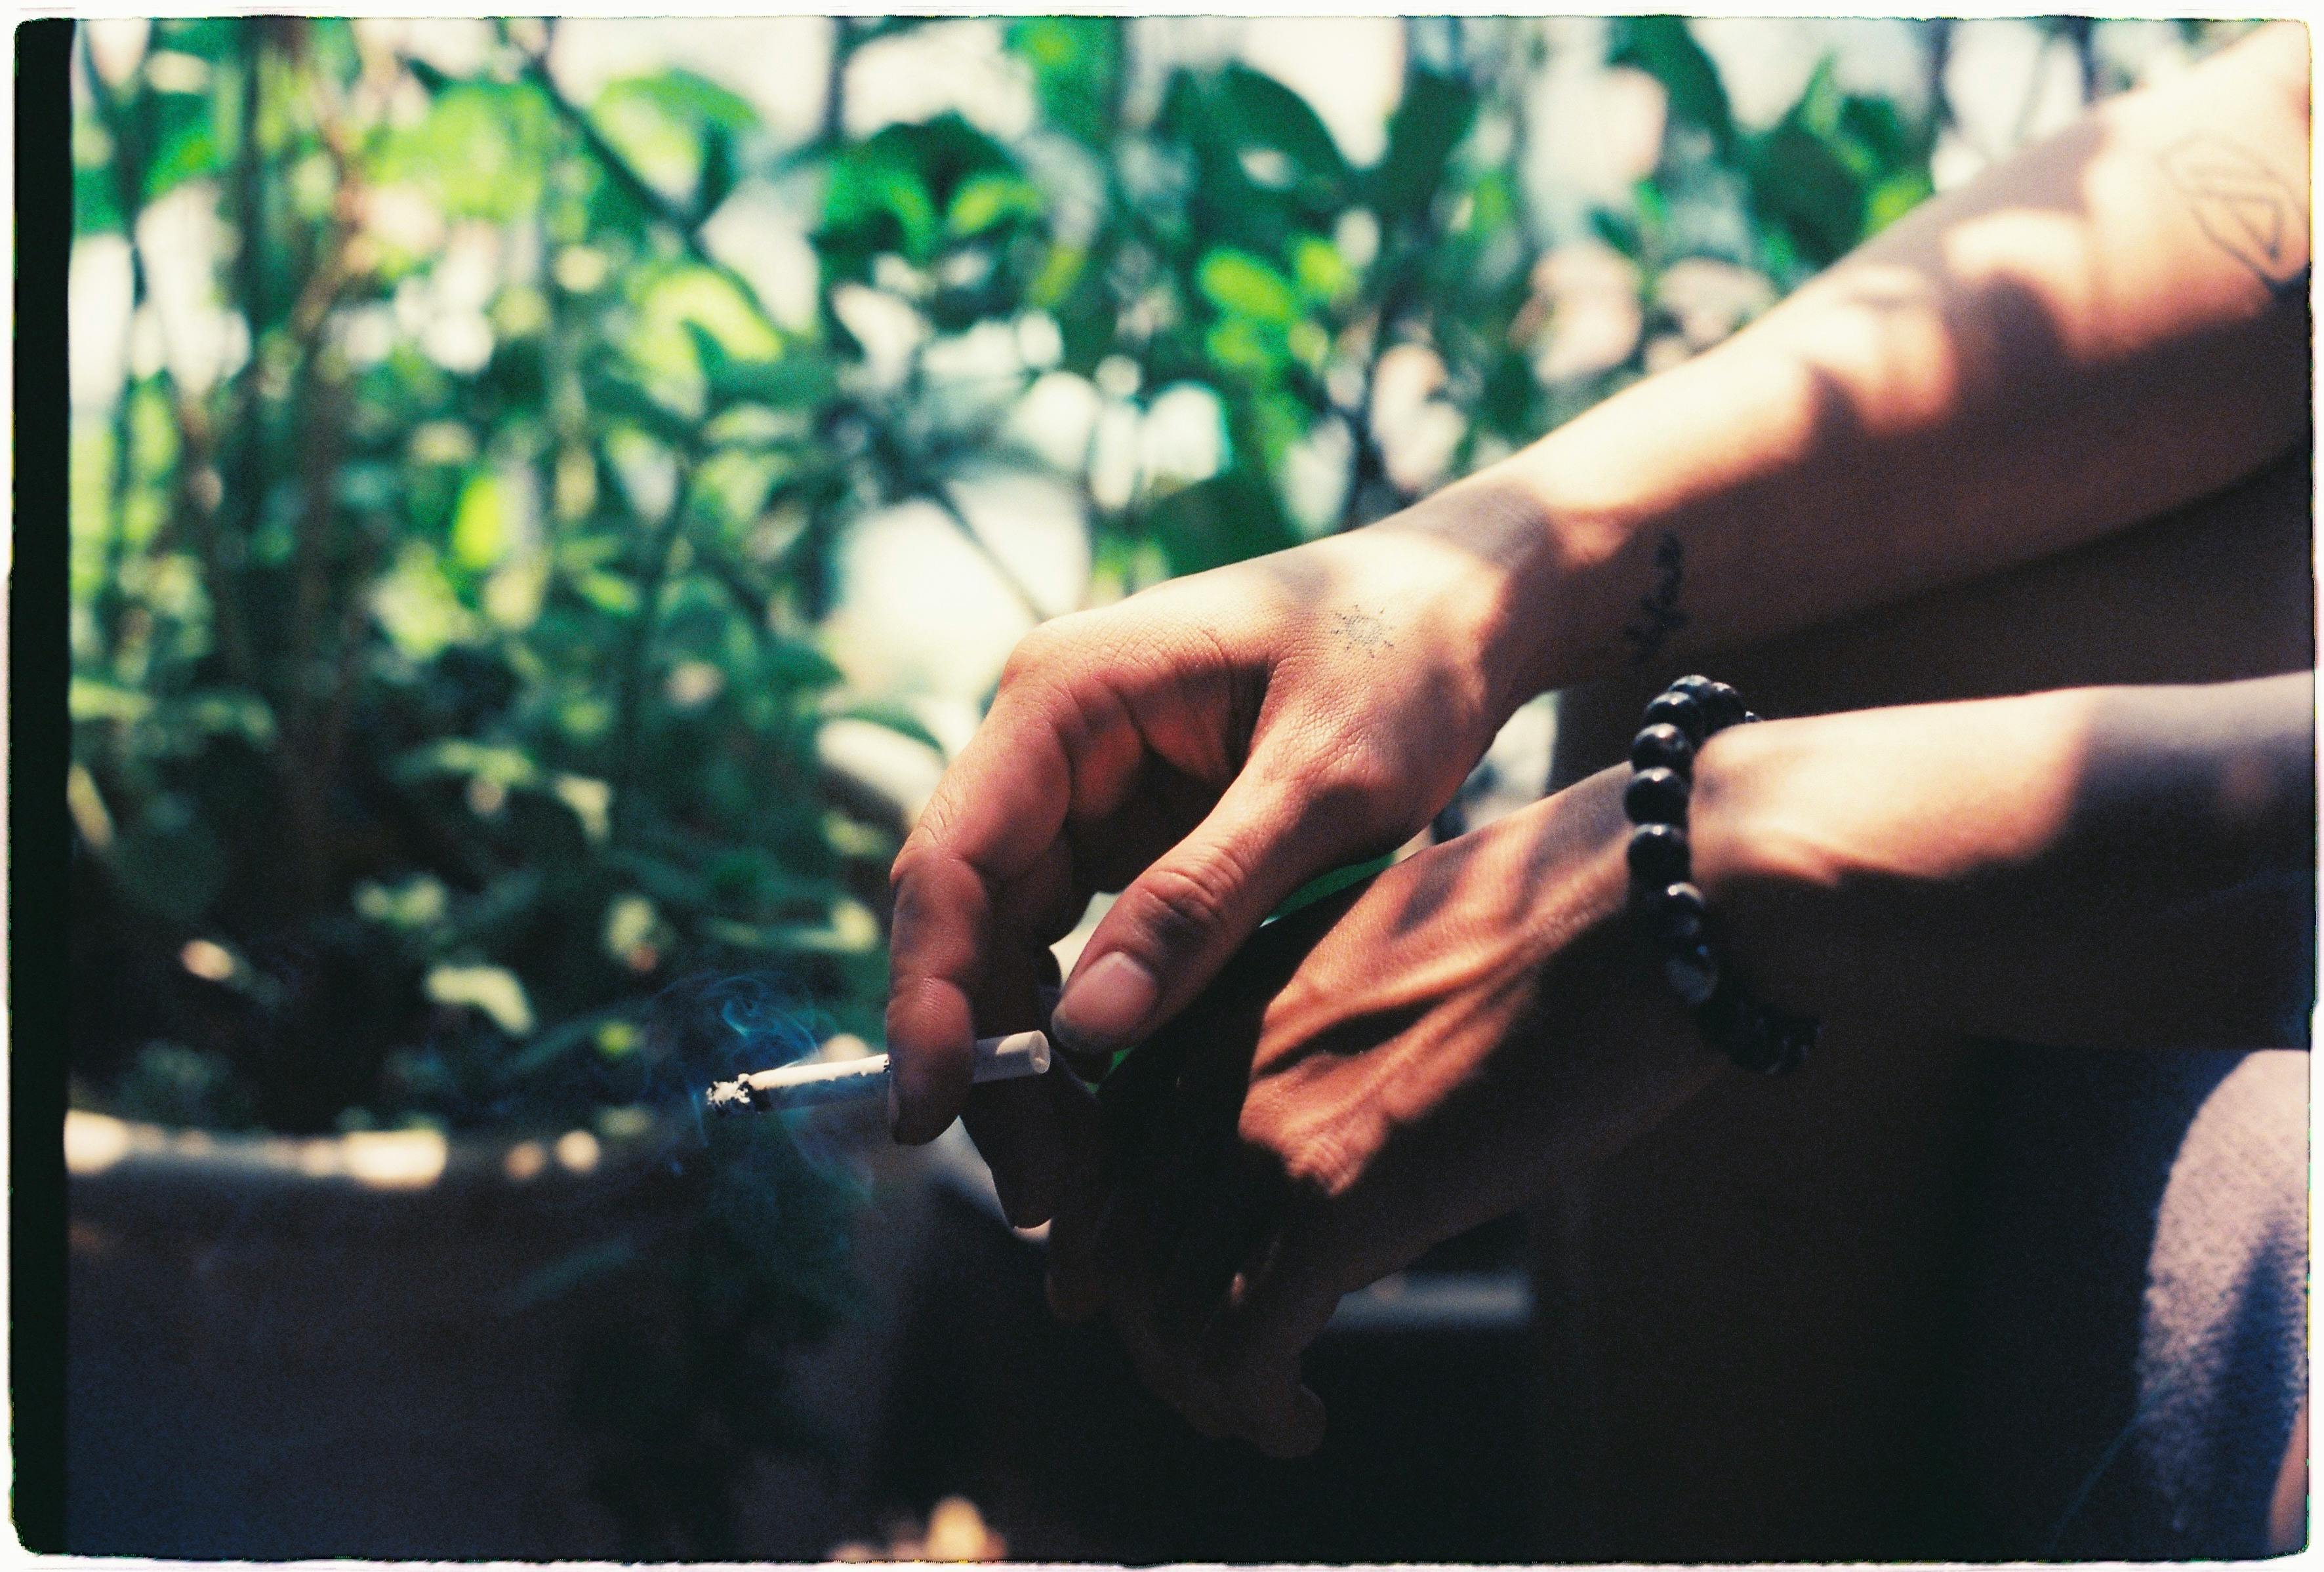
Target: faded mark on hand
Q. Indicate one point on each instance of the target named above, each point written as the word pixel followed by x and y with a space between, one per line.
pixel 1362 629
pixel 2244 208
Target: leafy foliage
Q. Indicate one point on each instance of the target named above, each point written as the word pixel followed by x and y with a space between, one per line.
pixel 459 630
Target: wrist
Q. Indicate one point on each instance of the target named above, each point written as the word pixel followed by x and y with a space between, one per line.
pixel 1760 882
pixel 1509 609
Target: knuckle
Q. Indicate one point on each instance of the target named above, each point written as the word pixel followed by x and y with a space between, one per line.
pixel 1317 1162
pixel 1361 778
pixel 1191 897
pixel 1042 647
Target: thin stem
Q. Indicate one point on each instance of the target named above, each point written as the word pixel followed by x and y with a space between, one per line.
pixel 127 167
pixel 684 227
pixel 629 717
pixel 942 499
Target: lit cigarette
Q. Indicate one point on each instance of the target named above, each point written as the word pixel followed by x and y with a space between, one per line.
pixel 825 1081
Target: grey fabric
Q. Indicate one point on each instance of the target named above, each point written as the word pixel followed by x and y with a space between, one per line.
pixel 2222 1364
pixel 2134 1335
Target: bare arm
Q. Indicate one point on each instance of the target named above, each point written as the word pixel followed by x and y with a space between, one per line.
pixel 2087 336
pixel 2131 866
pixel 2112 324
pixel 2124 866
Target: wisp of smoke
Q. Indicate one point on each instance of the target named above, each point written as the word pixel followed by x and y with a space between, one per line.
pixel 712 1026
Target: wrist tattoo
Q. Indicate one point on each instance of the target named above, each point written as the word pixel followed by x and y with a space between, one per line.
pixel 2245 208
pixel 1362 629
pixel 1658 614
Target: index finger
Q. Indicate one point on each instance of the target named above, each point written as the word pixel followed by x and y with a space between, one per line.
pixel 998 808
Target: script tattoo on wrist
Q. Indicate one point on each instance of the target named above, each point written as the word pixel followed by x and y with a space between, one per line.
pixel 2245 208
pixel 1362 629
pixel 1658 614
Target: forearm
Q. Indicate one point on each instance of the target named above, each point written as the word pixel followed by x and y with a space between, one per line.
pixel 2076 341
pixel 2122 866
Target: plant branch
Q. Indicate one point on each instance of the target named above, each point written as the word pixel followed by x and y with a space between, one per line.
pixel 942 499
pixel 128 169
pixel 685 229
pixel 630 716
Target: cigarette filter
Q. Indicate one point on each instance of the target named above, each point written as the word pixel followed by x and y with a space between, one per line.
pixel 827 1080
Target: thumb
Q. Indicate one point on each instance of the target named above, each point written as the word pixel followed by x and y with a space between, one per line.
pixel 1174 927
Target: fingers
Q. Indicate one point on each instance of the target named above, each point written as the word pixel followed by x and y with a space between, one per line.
pixel 1250 1355
pixel 1012 1122
pixel 1176 924
pixel 998 814
pixel 1224 1349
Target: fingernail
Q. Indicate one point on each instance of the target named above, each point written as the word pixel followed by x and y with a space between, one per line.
pixel 1104 1005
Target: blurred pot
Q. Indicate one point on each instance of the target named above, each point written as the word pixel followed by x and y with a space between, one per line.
pixel 364 1344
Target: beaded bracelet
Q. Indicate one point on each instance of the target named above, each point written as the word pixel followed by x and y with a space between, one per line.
pixel 1669 908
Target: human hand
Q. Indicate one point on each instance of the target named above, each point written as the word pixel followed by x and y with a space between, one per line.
pixel 1369 1078
pixel 1206 746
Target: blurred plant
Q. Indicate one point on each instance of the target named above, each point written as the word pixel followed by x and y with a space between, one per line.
pixel 448 665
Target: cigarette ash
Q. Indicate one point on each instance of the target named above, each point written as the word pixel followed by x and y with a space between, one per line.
pixel 710 1028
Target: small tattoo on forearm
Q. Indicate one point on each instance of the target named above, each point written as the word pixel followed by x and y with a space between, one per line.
pixel 2245 208
pixel 1362 629
pixel 1658 614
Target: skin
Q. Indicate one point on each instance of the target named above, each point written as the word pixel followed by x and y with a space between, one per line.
pixel 1209 745
pixel 1316 1120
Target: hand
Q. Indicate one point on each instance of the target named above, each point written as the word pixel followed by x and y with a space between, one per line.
pixel 1211 744
pixel 1371 1077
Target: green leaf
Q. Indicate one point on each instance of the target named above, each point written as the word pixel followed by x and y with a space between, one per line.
pixel 1323 275
pixel 1240 282
pixel 494 990
pixel 887 192
pixel 1075 60
pixel 1663 48
pixel 1436 114
pixel 1895 196
pixel 689 97
pixel 614 395
pixel 96 205
pixel 1262 112
pixel 186 143
pixel 480 523
pixel 984 201
pixel 676 130
pixel 87 699
pixel 893 717
pixel 482 150
pixel 1222 519
pixel 717 171
pixel 498 763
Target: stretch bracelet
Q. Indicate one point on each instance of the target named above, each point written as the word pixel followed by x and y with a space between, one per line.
pixel 1669 908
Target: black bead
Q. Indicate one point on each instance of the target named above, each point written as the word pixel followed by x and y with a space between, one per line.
pixel 1662 747
pixel 1655 796
pixel 1674 709
pixel 1723 706
pixel 1755 1043
pixel 1672 915
pixel 1658 855
pixel 1692 973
